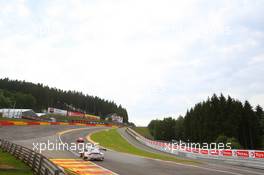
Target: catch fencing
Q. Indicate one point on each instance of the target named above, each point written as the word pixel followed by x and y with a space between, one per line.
pixel 250 158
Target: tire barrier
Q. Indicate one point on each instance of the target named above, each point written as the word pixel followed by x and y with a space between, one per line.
pixel 38 163
pixel 250 158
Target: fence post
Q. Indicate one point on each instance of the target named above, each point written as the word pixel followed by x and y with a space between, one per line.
pixel 34 161
pixel 2 144
pixel 57 172
pixel 19 153
pixel 10 148
pixel 40 164
pixel 46 171
pixel 14 149
pixel 6 146
pixel 29 159
pixel 25 157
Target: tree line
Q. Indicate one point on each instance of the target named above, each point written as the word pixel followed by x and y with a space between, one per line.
pixel 22 94
pixel 218 119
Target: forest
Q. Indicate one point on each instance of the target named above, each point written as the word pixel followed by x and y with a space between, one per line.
pixel 22 94
pixel 218 119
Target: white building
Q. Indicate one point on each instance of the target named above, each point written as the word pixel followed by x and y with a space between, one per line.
pixel 17 113
pixel 116 118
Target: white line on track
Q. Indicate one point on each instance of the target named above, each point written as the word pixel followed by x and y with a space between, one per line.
pixel 233 168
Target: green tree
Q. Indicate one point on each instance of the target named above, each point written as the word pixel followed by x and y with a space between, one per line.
pixel 234 143
pixel 39 97
pixel 221 139
pixel 5 102
pixel 216 119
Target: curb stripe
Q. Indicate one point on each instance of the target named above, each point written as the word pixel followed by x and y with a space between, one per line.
pixel 26 123
pixel 79 166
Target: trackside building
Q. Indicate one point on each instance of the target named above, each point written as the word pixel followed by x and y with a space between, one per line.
pixel 17 113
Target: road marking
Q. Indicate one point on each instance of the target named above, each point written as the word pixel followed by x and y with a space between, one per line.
pixel 20 123
pixel 79 166
pixel 76 154
pixel 88 137
pixel 239 169
pixel 181 164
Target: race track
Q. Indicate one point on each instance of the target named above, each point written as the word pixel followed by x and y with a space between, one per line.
pixel 119 163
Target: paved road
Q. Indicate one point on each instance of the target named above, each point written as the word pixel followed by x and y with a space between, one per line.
pixel 128 164
pixel 206 163
pixel 120 163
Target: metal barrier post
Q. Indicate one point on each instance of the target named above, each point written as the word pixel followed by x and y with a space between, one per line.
pixel 34 160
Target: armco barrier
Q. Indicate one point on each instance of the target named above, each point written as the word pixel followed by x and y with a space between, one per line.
pixel 39 164
pixel 25 123
pixel 250 158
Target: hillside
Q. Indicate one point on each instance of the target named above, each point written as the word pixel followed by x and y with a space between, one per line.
pixel 21 94
pixel 218 119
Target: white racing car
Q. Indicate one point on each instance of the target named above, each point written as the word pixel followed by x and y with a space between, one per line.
pixel 93 153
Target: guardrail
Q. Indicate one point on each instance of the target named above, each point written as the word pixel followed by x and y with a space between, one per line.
pixel 39 164
pixel 250 158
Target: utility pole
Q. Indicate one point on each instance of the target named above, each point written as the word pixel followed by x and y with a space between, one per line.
pixel 14 110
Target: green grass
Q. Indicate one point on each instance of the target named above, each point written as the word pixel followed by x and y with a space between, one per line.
pixel 144 131
pixel 9 165
pixel 61 118
pixel 113 140
pixel 13 119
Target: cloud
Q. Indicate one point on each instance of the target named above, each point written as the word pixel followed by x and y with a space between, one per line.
pixel 156 58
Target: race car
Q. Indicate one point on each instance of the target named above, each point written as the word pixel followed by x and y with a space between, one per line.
pixel 93 153
pixel 80 140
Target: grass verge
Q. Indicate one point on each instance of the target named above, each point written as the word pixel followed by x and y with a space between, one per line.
pixel 9 165
pixel 113 140
pixel 13 119
pixel 144 131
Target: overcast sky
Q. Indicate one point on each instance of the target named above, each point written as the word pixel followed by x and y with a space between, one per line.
pixel 155 57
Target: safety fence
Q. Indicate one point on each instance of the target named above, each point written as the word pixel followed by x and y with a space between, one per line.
pixel 252 158
pixel 25 123
pixel 38 163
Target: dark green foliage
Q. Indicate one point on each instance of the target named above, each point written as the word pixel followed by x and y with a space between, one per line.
pixel 4 101
pixel 38 97
pixel 221 139
pixel 215 119
pixel 234 143
pixel 16 100
pixel 163 129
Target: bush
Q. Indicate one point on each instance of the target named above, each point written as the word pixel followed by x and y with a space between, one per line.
pixel 234 143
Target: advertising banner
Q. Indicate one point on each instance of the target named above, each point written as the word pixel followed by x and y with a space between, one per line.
pixel 57 111
pixel 75 114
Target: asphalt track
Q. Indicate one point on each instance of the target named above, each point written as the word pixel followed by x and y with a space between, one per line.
pixel 119 163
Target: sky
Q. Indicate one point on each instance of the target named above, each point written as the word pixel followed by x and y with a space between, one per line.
pixel 157 58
